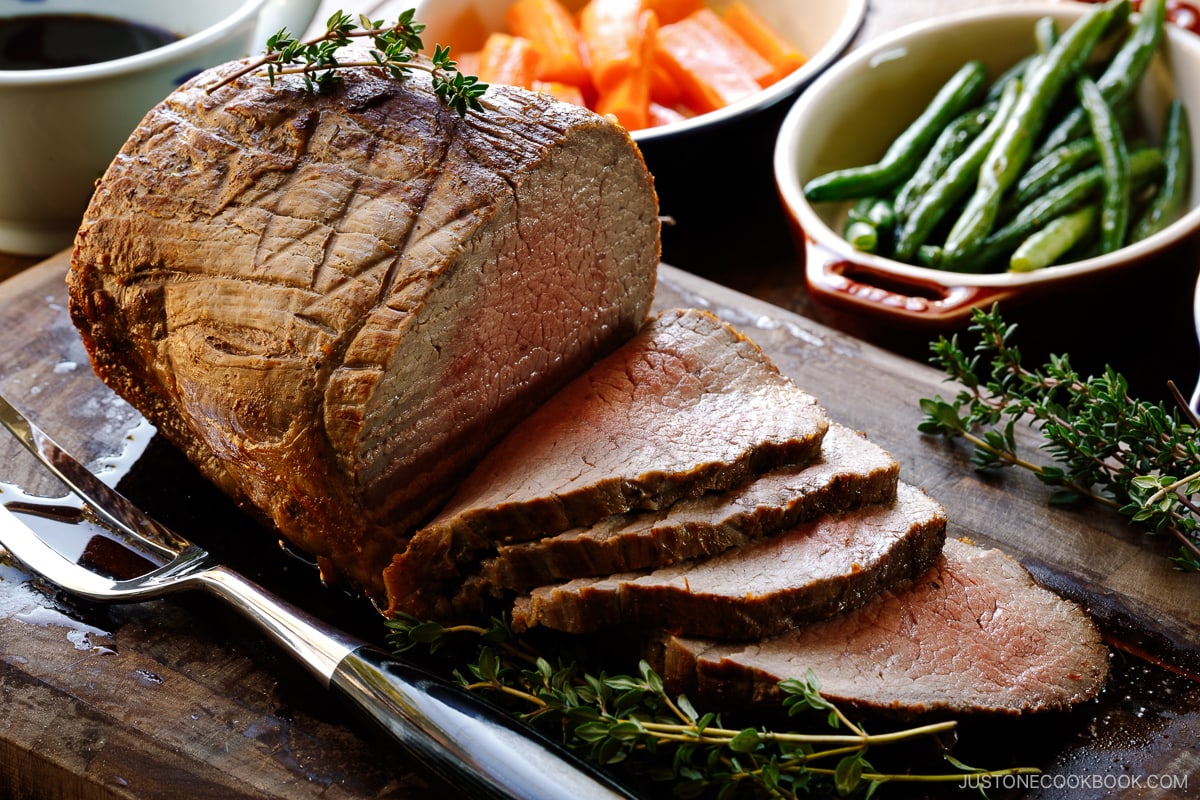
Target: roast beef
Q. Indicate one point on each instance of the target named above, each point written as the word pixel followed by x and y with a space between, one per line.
pixel 336 303
pixel 767 587
pixel 688 405
pixel 849 471
pixel 974 634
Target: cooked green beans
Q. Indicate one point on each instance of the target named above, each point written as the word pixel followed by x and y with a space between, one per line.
pixel 956 137
pixel 1045 34
pixel 1008 156
pixel 1144 165
pixel 869 223
pixel 1054 167
pixel 1015 72
pixel 1168 201
pixel 906 152
pixel 1114 160
pixel 955 182
pixel 984 191
pixel 1047 245
pixel 1122 74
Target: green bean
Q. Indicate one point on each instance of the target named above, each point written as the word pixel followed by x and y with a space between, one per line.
pixel 1120 76
pixel 868 223
pixel 929 255
pixel 955 182
pixel 1044 247
pixel 956 137
pixel 1051 169
pixel 1045 34
pixel 1114 159
pixel 862 236
pixel 903 155
pixel 881 213
pixel 1145 165
pixel 1167 203
pixel 1016 71
pixel 1010 153
pixel 1056 166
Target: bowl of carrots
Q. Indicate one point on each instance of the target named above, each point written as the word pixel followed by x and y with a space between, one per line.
pixel 990 156
pixel 661 67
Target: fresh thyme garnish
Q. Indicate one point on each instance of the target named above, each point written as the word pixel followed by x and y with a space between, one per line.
pixel 397 50
pixel 630 723
pixel 1135 456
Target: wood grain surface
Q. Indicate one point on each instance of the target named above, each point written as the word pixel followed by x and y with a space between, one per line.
pixel 145 701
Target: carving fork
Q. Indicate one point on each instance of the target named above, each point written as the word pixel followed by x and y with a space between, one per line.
pixel 467 742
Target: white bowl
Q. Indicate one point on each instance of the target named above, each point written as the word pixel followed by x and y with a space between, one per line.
pixel 60 128
pixel 821 29
pixel 849 115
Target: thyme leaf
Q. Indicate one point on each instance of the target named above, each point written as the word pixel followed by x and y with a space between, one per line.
pixel 397 51
pixel 1137 457
pixel 630 723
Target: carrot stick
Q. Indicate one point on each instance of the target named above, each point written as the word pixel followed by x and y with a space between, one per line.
pixel 611 31
pixel 551 27
pixel 624 101
pixel 728 45
pixel 629 99
pixel 669 11
pixel 468 63
pixel 707 78
pixel 663 88
pixel 567 92
pixel 766 42
pixel 512 60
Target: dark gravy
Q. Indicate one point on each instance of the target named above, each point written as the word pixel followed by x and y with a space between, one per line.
pixel 49 41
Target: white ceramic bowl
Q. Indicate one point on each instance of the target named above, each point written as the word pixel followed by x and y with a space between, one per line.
pixel 822 29
pixel 60 128
pixel 848 116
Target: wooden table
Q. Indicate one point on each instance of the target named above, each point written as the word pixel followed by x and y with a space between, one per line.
pixel 180 698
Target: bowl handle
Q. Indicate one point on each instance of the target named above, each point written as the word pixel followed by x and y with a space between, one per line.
pixel 854 286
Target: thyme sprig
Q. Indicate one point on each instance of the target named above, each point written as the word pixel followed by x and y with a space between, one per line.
pixel 630 723
pixel 397 50
pixel 1137 457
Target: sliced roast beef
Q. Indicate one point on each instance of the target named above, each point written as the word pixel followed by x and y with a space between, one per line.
pixel 688 405
pixel 849 471
pixel 772 585
pixel 336 303
pixel 974 634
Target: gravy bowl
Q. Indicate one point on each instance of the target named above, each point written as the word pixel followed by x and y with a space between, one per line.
pixel 63 125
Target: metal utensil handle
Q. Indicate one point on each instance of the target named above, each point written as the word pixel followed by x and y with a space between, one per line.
pixel 475 746
pixel 472 744
pixel 495 755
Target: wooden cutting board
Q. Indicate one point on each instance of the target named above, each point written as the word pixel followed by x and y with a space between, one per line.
pixel 180 696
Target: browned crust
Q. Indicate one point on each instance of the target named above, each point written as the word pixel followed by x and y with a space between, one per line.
pixel 256 261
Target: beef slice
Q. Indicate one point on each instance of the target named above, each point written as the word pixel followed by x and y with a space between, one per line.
pixel 850 471
pixel 688 405
pixel 812 571
pixel 973 635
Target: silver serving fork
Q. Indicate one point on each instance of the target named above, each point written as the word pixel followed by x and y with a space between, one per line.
pixel 470 744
